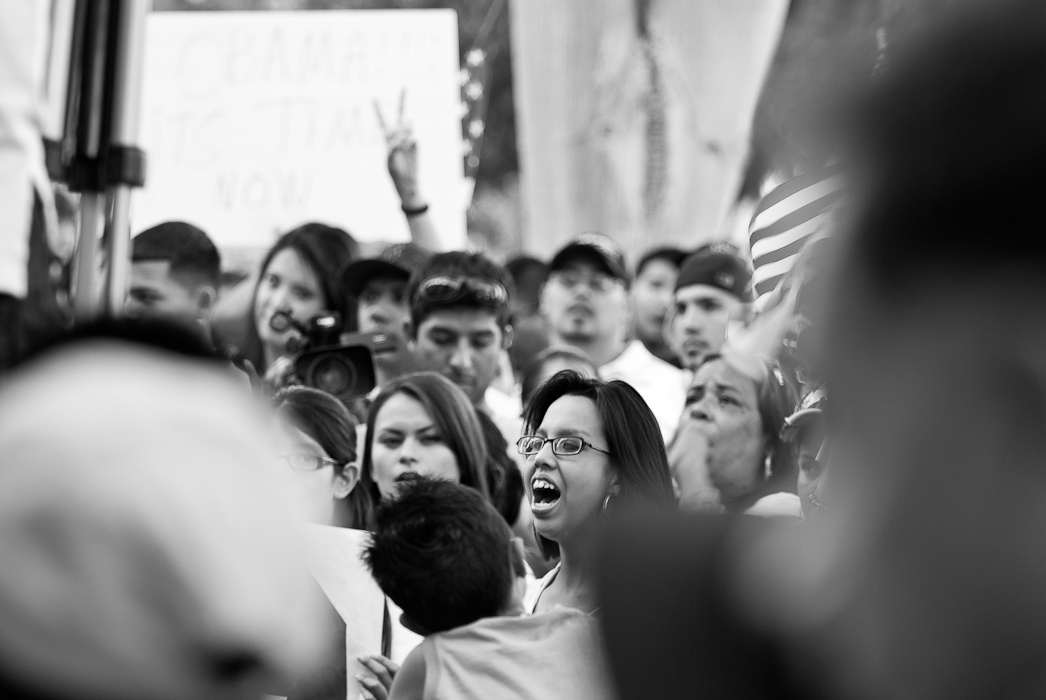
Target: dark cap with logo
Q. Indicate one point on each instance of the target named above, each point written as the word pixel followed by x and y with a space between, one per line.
pixel 397 261
pixel 598 249
pixel 718 265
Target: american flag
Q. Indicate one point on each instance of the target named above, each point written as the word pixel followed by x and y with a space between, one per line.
pixel 783 222
pixel 476 74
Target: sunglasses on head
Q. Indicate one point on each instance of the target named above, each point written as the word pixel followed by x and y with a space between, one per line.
pixel 449 288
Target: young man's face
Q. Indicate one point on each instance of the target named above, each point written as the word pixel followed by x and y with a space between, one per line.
pixel 584 304
pixel 383 308
pixel 698 327
pixel 156 294
pixel 464 345
pixel 652 293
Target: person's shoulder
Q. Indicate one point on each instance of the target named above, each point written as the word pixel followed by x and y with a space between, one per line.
pixel 777 505
pixel 499 403
pixel 409 683
pixel 636 358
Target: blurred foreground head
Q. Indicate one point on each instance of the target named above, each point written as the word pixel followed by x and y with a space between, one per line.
pixel 146 545
pixel 936 356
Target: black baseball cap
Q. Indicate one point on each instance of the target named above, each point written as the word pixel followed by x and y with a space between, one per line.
pixel 397 261
pixel 717 265
pixel 597 248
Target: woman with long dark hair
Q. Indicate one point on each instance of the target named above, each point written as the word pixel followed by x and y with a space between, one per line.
pixel 422 424
pixel 300 278
pixel 593 449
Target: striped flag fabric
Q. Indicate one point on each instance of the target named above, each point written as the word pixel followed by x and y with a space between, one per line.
pixel 784 221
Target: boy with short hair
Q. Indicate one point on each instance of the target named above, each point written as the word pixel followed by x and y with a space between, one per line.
pixel 443 554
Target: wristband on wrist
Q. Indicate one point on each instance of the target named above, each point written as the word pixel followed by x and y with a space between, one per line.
pixel 416 212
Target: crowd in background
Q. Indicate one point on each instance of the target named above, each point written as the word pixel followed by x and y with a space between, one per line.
pixel 534 430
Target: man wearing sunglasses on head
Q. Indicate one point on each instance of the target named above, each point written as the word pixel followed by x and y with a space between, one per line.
pixel 459 307
pixel 586 304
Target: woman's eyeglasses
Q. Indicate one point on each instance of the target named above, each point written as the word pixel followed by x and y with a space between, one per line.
pixel 301 462
pixel 564 446
pixel 450 288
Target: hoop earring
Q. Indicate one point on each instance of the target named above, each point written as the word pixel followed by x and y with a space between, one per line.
pixel 767 472
pixel 606 504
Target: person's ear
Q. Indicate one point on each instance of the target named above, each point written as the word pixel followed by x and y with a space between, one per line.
pixel 206 297
pixel 413 626
pixel 506 337
pixel 346 481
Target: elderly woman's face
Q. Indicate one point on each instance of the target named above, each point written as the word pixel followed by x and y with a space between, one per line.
pixel 724 404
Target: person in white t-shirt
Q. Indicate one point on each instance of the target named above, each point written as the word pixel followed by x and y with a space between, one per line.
pixel 586 304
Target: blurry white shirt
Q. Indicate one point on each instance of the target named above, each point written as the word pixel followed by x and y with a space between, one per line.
pixel 505 411
pixel 660 384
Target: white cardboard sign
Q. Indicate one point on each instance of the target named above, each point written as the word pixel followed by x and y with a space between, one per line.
pixel 256 122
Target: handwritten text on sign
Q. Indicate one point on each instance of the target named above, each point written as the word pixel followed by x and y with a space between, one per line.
pixel 255 122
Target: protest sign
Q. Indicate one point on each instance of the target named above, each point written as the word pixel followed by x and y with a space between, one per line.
pixel 334 558
pixel 256 122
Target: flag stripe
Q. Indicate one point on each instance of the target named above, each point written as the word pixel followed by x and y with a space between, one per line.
pixel 814 192
pixel 768 245
pixel 780 254
pixel 766 287
pixel 790 187
pixel 774 269
pixel 797 217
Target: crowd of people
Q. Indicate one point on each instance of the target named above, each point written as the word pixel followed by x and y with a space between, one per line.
pixel 579 478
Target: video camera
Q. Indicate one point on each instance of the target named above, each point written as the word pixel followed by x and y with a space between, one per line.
pixel 342 364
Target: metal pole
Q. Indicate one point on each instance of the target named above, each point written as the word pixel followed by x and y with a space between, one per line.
pixel 127 89
pixel 89 135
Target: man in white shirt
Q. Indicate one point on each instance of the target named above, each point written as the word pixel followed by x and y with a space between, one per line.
pixel 585 302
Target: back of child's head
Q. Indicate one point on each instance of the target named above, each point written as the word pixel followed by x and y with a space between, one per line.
pixel 443 554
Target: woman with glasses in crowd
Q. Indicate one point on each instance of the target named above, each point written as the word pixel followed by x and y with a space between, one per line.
pixel 593 449
pixel 317 439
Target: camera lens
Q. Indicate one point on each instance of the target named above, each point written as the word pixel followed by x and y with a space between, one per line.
pixel 333 374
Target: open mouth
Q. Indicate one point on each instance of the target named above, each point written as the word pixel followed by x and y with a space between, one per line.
pixel 545 495
pixel 580 310
pixel 406 477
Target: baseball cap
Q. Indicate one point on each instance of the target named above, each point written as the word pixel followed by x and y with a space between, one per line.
pixel 717 265
pixel 396 261
pixel 598 248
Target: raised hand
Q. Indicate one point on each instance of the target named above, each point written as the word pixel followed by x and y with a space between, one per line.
pixel 402 155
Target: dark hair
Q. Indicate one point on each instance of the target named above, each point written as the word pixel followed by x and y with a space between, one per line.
pixel 442 553
pixel 149 333
pixel 326 420
pixel 503 477
pixel 670 254
pixel 454 416
pixel 953 145
pixel 533 371
pixel 465 265
pixel 775 400
pixel 326 250
pixel 528 275
pixel 637 450
pixel 190 252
